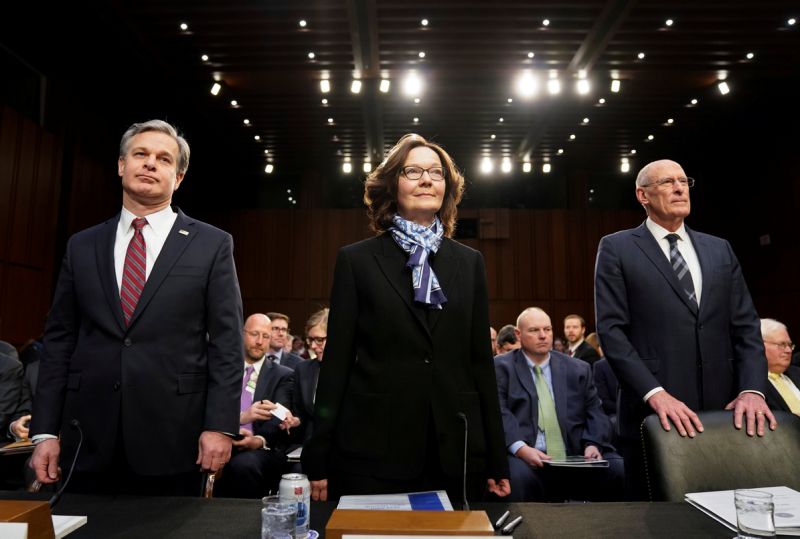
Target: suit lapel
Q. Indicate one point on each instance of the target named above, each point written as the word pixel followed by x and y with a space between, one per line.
pixel 558 375
pixel 649 246
pixel 104 255
pixel 262 382
pixel 446 266
pixel 173 247
pixel 526 379
pixel 392 262
pixel 706 268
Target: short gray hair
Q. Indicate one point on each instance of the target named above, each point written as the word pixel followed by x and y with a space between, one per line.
pixel 162 127
pixel 770 326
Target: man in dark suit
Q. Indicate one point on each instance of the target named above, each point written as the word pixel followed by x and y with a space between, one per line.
pixel 143 342
pixel 277 344
pixel 10 384
pixel 259 458
pixel 575 331
pixel 783 391
pixel 21 418
pixel 676 320
pixel 535 382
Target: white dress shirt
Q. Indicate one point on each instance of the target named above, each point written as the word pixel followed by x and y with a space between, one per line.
pixel 155 233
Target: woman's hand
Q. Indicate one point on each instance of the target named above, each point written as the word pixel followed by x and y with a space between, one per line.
pixel 319 490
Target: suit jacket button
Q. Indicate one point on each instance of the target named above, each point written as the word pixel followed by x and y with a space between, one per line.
pixel 127 342
pixel 116 385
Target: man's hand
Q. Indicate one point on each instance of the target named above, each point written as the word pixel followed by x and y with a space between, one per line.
pixel 592 453
pixel 501 488
pixel 532 456
pixel 248 442
pixel 319 490
pixel 755 409
pixel 19 428
pixel 290 422
pixel 259 411
pixel 214 451
pixel 669 409
pixel 44 461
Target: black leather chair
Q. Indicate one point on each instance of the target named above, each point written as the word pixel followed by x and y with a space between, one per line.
pixel 719 458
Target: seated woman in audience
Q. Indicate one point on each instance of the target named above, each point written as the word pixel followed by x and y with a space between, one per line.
pixel 605 380
pixel 307 373
pixel 408 369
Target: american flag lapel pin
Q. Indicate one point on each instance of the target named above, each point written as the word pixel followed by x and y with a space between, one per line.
pixel 184 232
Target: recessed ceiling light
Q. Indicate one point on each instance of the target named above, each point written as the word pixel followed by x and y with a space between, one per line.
pixel 750 56
pixel 546 22
pixel 560 151
pixel 583 86
pixel 501 120
pixel 302 23
pixel 526 167
pixel 324 101
pixel 640 56
pixel 486 165
pixel 553 86
pixel 572 137
pixel 234 103
pixel 546 168
pixel 266 152
pixel 246 121
pixel 505 165
pixel 527 84
pixel 791 22
pixel 204 58
pixel 616 85
pixel 585 121
pixel 347 168
pixel 416 120
pixel 492 136
pixel 185 26
pixel 416 100
pixel 669 22
pixel 421 54
pixel 269 168
pixel 509 100
pixel 325 86
pixel 367 167
pixel 602 100
pixel 355 86
pixel 215 88
pixel 412 84
pixel 330 120
pixel 670 121
pixel 531 55
pixel 384 87
pixel 693 101
pixel 624 167
pixel 650 137
pixel 424 22
pixel 633 151
pixel 288 191
pixel 724 89
pixel 311 55
pixel 257 137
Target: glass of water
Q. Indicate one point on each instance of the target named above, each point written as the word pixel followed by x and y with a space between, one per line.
pixel 754 513
pixel 277 518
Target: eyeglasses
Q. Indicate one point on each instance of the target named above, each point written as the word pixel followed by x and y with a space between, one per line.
pixel 319 341
pixel 789 345
pixel 436 174
pixel 280 330
pixel 666 183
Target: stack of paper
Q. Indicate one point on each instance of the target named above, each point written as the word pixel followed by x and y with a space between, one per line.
pixel 415 501
pixel 719 505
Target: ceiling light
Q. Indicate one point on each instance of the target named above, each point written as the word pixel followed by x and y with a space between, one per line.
pixel 347 168
pixel 546 168
pixel 693 101
pixel 602 100
pixel 302 23
pixel 257 137
pixel 585 121
pixel 324 101
pixel 526 167
pixel 669 22
pixel 215 88
pixel 750 56
pixel 531 55
pixel 384 87
pixel 311 55
pixel 724 89
pixel 633 151
pixel 424 22
pixel 527 84
pixel 185 26
pixel 790 22
pixel 546 22
pixel 509 100
pixel 246 121
pixel 205 57
pixel 412 84
pixel 572 137
pixel 367 167
pixel 486 165
pixel 269 168
pixel 355 86
pixel 325 86
pixel 650 137
pixel 234 103
pixel 500 120
pixel 416 100
pixel 330 120
pixel 624 167
pixel 640 56
pixel 581 73
pixel 266 152
pixel 582 86
pixel 553 86
pixel 670 121
pixel 560 151
pixel 289 199
pixel 492 136
pixel 416 120
pixel 505 165
pixel 421 54
pixel 289 191
pixel 615 85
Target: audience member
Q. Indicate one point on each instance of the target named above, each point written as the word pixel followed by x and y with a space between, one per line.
pixel 558 345
pixel 574 330
pixel 10 384
pixel 299 348
pixel 22 415
pixel 507 339
pixel 306 374
pixel 277 343
pixel 680 331
pixel 551 411
pixel 143 341
pixel 259 457
pixel 783 392
pixel 493 337
pixel 605 381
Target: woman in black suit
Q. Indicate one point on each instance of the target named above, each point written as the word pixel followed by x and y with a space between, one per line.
pixel 408 366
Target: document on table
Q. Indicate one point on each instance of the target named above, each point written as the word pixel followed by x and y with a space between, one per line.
pixel 719 505
pixel 414 501
pixel 577 461
pixel 64 525
pixel 294 456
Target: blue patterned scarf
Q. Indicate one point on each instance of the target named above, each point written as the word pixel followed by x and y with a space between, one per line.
pixel 419 242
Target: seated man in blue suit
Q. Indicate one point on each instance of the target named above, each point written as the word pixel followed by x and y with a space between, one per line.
pixel 551 410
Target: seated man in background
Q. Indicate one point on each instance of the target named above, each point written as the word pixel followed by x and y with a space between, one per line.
pixel 783 391
pixel 279 338
pixel 10 384
pixel 259 458
pixel 507 339
pixel 551 410
pixel 574 330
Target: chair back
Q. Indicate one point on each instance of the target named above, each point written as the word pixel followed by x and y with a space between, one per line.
pixel 719 458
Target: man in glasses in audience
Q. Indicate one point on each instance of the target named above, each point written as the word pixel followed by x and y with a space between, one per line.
pixel 783 391
pixel 277 344
pixel 676 321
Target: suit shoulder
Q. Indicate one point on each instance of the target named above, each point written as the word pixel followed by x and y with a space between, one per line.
pixel 282 371
pixel 209 229
pixel 619 236
pixel 364 246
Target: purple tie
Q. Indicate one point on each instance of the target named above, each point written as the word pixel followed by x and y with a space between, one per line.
pixel 246 399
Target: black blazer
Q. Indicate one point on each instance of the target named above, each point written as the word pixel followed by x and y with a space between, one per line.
pixel 586 352
pixel 394 370
pixel 306 375
pixel 774 398
pixel 11 373
pixel 174 372
pixel 654 336
pixel 580 415
pixel 607 386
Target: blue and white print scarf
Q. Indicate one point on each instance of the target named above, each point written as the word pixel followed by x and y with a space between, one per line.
pixel 419 242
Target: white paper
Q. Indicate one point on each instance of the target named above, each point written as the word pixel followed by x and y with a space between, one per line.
pixel 279 411
pixel 64 525
pixel 720 505
pixel 577 461
pixel 388 502
pixel 14 530
pixel 296 454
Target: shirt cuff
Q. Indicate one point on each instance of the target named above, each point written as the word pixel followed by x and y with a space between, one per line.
pixel 652 392
pixel 513 448
pixel 39 438
pixel 264 445
pixel 760 394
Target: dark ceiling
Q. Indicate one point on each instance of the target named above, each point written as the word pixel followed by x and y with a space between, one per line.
pixel 474 53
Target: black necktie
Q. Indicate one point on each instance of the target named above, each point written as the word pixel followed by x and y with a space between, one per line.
pixel 680 267
pixel 272 358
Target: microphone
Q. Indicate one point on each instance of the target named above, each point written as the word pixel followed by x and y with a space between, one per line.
pixel 74 424
pixel 463 417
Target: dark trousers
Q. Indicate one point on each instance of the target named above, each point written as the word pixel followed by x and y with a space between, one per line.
pixel 251 473
pixel 635 475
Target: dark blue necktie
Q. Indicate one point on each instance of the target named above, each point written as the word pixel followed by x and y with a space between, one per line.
pixel 680 267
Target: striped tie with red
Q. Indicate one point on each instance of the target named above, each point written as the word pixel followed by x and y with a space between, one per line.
pixel 133 274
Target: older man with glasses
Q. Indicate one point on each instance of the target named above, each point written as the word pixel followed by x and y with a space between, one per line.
pixel 783 392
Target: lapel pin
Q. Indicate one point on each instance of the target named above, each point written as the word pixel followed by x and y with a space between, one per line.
pixel 184 232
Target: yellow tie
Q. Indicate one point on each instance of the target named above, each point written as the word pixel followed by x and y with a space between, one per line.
pixel 789 396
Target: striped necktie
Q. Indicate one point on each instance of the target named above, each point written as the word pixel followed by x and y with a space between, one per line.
pixel 134 272
pixel 681 268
